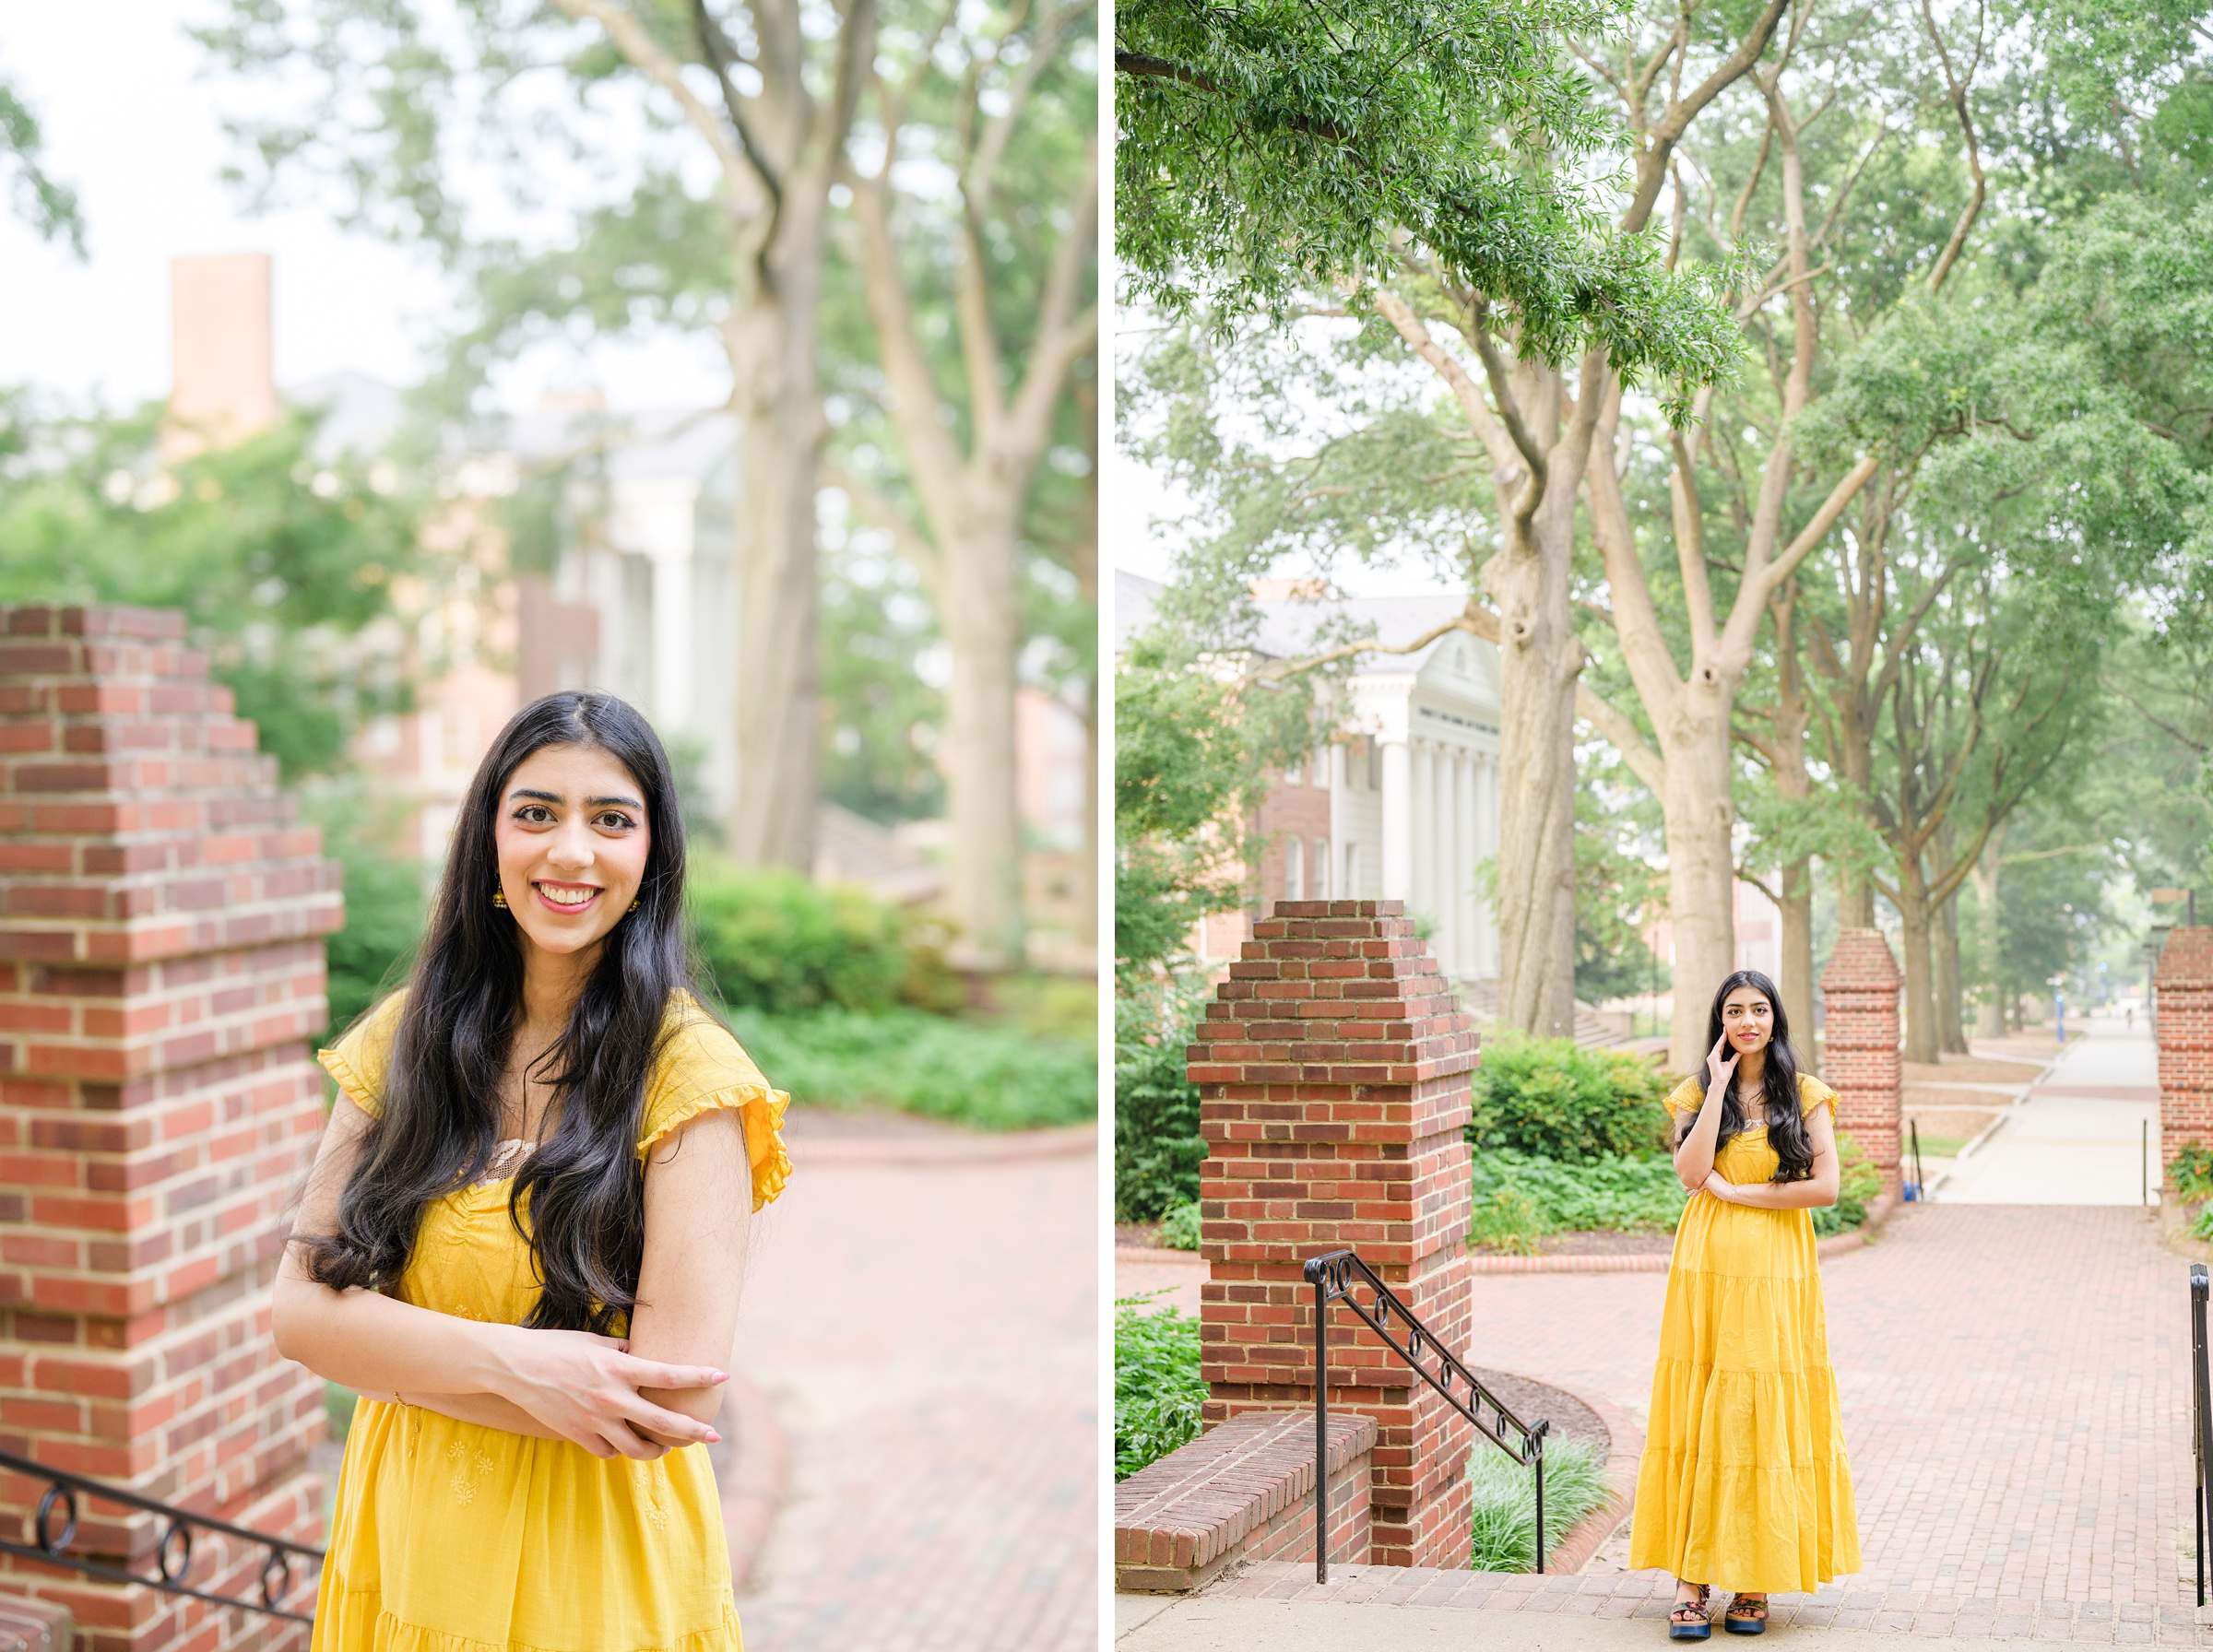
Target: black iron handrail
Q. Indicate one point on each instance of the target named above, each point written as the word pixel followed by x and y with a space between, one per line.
pixel 1333 1278
pixel 172 1556
pixel 2201 1416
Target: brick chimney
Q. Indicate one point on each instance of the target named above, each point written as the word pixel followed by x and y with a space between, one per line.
pixel 222 375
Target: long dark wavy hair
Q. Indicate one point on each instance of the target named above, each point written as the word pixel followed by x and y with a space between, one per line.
pixel 579 1198
pixel 1784 1116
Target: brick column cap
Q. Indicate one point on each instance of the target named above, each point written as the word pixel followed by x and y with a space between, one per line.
pixel 1862 961
pixel 96 619
pixel 2186 960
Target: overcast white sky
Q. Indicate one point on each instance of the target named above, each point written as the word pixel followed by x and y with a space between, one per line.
pixel 128 124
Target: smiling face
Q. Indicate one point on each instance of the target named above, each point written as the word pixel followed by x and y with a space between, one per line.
pixel 1748 1020
pixel 572 838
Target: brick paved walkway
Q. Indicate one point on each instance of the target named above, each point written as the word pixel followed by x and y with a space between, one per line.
pixel 929 1335
pixel 2016 1391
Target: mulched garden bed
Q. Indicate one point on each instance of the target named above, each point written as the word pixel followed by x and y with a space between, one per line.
pixel 1569 1417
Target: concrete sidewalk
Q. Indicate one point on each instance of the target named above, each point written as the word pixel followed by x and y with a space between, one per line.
pixel 2080 1136
pixel 1279 1608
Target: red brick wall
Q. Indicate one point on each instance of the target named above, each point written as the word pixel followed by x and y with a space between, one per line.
pixel 161 916
pixel 2184 982
pixel 1859 1044
pixel 1332 1069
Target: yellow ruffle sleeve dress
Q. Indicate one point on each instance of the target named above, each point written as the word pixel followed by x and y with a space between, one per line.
pixel 452 1537
pixel 1743 1483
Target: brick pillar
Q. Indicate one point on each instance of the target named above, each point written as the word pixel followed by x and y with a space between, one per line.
pixel 1333 1070
pixel 161 974
pixel 2183 980
pixel 1859 1044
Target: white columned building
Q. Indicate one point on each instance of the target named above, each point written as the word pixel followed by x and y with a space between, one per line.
pixel 1411 775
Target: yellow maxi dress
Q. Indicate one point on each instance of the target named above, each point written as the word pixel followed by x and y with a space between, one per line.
pixel 1743 1483
pixel 452 1537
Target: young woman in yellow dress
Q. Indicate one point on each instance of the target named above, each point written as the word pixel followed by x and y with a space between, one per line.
pixel 520 1243
pixel 1743 1483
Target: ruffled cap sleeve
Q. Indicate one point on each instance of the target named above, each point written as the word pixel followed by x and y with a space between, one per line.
pixel 363 1053
pixel 1686 1097
pixel 1813 1094
pixel 701 1066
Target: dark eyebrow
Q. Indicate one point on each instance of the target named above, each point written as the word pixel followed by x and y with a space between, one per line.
pixel 588 802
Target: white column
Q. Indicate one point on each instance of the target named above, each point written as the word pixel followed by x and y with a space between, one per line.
pixel 1465 903
pixel 1450 933
pixel 1464 821
pixel 1398 840
pixel 1332 885
pixel 1421 893
pixel 1487 843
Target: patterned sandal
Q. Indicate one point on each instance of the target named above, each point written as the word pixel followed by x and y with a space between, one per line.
pixel 1690 1620
pixel 1747 1614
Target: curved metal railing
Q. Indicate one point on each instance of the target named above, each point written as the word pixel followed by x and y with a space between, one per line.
pixel 1339 1276
pixel 172 1556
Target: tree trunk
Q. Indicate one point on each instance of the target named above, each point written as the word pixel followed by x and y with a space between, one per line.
pixel 1794 889
pixel 1990 1017
pixel 1914 913
pixel 1950 1036
pixel 778 398
pixel 1701 869
pixel 1539 660
pixel 982 617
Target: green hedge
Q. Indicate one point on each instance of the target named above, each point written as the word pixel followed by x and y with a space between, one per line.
pixel 774 939
pixel 992 1076
pixel 1551 1098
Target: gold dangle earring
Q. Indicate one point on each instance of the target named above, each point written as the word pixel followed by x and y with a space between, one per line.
pixel 499 897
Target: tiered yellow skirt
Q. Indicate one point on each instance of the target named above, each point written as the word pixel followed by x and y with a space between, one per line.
pixel 1743 1483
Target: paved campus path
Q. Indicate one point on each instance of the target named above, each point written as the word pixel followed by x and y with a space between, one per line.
pixel 927 1335
pixel 2016 1388
pixel 2078 1138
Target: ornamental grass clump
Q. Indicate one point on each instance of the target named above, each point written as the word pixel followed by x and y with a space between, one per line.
pixel 1504 1523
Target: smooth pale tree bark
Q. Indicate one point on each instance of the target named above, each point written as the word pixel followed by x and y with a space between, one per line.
pixel 1784 750
pixel 967 545
pixel 1951 1031
pixel 1691 711
pixel 1537 439
pixel 1990 1013
pixel 1538 434
pixel 779 151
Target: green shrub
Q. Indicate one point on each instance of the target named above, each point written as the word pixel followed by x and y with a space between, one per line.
pixel 1858 1186
pixel 1179 1228
pixel 1511 1221
pixel 1551 1097
pixel 337 1410
pixel 385 891
pixel 1626 1193
pixel 1158 1393
pixel 1504 1519
pixel 774 939
pixel 993 1076
pixel 2192 1172
pixel 1157 1148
